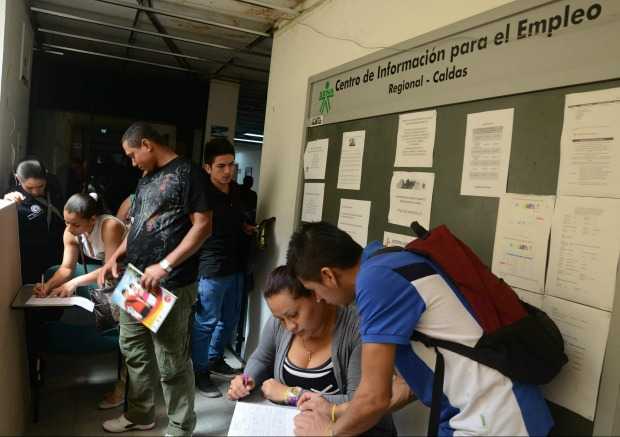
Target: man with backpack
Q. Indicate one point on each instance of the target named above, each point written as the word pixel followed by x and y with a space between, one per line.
pixel 399 293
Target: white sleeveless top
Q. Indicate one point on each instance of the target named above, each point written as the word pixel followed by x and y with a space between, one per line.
pixel 92 244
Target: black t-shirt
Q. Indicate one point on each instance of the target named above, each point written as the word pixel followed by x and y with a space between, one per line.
pixel 40 242
pixel 164 199
pixel 221 253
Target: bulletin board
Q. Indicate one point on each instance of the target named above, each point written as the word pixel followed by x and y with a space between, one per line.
pixel 534 157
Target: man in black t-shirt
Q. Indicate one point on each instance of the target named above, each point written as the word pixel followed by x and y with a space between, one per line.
pixel 171 220
pixel 221 271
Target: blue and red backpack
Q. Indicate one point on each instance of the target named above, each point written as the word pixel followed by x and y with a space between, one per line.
pixel 519 340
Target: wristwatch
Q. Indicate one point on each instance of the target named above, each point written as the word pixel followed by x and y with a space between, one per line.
pixel 164 264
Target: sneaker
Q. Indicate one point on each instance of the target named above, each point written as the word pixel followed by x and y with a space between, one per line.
pixel 206 387
pixel 221 368
pixel 121 424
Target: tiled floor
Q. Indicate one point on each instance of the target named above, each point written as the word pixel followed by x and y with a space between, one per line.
pixel 74 385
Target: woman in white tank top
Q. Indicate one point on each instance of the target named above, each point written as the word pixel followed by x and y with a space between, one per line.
pixel 96 235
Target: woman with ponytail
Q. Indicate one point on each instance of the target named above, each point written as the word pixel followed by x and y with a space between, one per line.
pixel 88 233
pixel 90 238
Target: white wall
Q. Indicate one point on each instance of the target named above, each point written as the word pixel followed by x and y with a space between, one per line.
pixel 13 365
pixel 222 107
pixel 317 41
pixel 14 93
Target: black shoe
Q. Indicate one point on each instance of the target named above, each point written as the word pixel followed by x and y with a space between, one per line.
pixel 219 367
pixel 206 387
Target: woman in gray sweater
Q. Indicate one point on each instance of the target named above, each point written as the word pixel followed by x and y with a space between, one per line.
pixel 308 345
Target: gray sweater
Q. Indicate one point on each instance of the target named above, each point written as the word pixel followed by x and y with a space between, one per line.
pixel 267 361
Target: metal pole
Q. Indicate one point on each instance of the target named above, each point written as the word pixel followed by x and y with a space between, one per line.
pixel 131 46
pixel 266 5
pixel 121 58
pixel 185 17
pixel 146 32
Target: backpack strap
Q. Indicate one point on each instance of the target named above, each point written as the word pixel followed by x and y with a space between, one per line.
pixel 476 354
pixel 390 249
pixel 433 420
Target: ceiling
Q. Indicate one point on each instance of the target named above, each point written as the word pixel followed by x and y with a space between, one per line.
pixel 229 39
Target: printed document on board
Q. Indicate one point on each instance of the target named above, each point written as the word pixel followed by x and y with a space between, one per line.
pixel 411 196
pixel 585 332
pixel 391 239
pixel 488 138
pixel 353 219
pixel 585 244
pixel 415 141
pixel 315 159
pixel 521 240
pixel 351 160
pixel 590 145
pixel 312 208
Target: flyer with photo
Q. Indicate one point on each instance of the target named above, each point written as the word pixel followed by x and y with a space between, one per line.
pixel 149 309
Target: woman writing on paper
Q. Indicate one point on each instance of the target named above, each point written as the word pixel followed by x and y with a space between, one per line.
pixel 89 232
pixel 96 236
pixel 308 345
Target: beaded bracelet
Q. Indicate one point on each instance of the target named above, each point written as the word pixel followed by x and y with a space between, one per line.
pixel 291 396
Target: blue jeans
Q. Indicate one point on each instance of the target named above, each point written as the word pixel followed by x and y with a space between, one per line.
pixel 217 314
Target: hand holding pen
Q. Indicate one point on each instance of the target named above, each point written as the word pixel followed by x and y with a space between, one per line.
pixel 240 387
pixel 41 289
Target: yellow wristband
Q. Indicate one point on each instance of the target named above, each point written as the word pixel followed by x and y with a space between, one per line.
pixel 334 413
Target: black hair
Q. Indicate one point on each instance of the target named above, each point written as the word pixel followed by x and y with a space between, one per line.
pixel 280 280
pixel 318 245
pixel 218 147
pixel 248 181
pixel 85 205
pixel 141 130
pixel 30 168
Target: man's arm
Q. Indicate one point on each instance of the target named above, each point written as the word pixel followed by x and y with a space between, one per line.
pixel 372 398
pixel 110 265
pixel 201 230
pixel 202 225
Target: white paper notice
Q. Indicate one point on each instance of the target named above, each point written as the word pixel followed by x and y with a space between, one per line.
pixel 487 153
pixel 351 159
pixel 521 240
pixel 312 208
pixel 416 139
pixel 315 159
pixel 585 243
pixel 585 331
pixel 534 299
pixel 411 196
pixel 251 419
pixel 353 219
pixel 590 147
pixel 391 239
pixel 79 301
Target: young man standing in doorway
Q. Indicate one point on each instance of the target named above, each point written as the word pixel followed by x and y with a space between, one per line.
pixel 221 270
pixel 171 220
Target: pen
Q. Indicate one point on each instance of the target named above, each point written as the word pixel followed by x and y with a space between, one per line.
pixel 325 390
